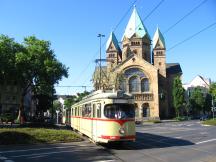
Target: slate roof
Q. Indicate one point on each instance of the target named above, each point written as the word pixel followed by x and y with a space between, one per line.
pixel 173 68
pixel 158 37
pixel 112 38
pixel 135 26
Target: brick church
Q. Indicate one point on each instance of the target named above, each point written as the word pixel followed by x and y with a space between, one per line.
pixel 138 70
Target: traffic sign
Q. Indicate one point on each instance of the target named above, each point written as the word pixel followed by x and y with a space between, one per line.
pixel 213 108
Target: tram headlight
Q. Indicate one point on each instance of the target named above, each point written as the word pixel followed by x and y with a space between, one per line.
pixel 122 131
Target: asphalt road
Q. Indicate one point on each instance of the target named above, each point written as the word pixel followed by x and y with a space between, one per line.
pixel 165 142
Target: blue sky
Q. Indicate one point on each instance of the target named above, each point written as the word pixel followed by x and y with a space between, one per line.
pixel 72 27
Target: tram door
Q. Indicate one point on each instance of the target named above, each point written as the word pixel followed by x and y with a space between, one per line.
pixel 94 122
pixel 96 116
pixel 79 114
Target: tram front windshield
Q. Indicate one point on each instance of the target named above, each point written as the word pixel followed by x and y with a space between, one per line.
pixel 119 111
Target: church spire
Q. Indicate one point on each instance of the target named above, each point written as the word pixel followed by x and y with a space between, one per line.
pixel 135 26
pixel 158 39
pixel 112 39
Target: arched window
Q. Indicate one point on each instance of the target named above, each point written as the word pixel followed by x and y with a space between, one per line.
pixel 133 84
pixel 145 85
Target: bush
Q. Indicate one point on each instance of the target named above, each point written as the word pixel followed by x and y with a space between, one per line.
pixel 7 117
pixel 182 118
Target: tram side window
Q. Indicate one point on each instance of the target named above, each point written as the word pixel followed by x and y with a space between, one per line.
pixel 86 110
pixel 99 110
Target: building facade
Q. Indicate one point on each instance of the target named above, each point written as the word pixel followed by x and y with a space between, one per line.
pixel 198 81
pixel 138 70
pixel 10 96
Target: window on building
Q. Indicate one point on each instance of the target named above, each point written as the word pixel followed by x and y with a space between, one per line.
pixel 146 110
pixel 135 51
pixel 145 85
pixel 133 84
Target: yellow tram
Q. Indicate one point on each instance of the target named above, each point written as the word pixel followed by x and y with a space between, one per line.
pixel 104 116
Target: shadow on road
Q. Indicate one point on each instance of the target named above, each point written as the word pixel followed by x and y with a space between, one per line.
pixel 148 141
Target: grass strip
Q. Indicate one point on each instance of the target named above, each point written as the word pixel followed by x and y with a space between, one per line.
pixel 210 122
pixel 10 136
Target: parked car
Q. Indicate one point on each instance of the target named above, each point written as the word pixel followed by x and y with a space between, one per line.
pixel 204 117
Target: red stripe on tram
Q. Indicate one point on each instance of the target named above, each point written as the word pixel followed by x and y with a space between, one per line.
pixel 117 137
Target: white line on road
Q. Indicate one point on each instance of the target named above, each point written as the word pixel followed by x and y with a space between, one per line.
pixel 105 161
pixel 47 153
pixel 206 141
pixel 46 148
pixel 8 161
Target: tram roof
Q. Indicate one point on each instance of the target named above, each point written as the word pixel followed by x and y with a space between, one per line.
pixel 108 94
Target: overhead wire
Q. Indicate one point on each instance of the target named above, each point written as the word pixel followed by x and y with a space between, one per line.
pixel 120 21
pixel 153 10
pixel 192 36
pixel 185 16
pixel 103 44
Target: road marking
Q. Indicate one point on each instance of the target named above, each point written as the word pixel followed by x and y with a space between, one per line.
pixel 105 161
pixel 3 158
pixel 206 141
pixel 46 148
pixel 178 137
pixel 8 161
pixel 47 153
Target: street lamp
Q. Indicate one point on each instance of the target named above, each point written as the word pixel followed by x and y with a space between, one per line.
pixel 57 112
pixel 213 108
pixel 100 35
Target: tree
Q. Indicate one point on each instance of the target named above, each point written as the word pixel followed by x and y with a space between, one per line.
pixel 44 102
pixel 37 68
pixel 74 99
pixel 70 101
pixel 197 100
pixel 80 96
pixel 212 90
pixel 8 50
pixel 208 102
pixel 178 95
pixel 57 105
pixel 32 65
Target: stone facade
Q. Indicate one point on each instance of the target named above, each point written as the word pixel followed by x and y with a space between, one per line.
pixel 136 70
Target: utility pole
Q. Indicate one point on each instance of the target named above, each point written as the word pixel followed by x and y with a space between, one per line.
pixel 100 35
pixel 213 108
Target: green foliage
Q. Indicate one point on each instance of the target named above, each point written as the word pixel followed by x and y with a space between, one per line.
pixel 208 102
pixel 7 117
pixel 212 90
pixel 81 95
pixel 178 95
pixel 57 106
pixel 197 100
pixel 182 118
pixel 35 135
pixel 33 65
pixel 210 122
pixel 74 99
pixel 70 101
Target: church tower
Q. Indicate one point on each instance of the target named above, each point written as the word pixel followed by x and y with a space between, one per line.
pixel 159 53
pixel 136 40
pixel 159 61
pixel 113 52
